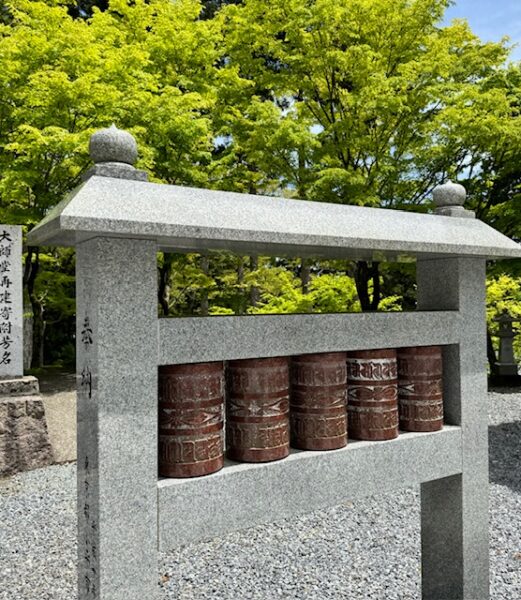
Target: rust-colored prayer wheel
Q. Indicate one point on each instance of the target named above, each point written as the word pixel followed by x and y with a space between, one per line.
pixel 372 394
pixel 191 407
pixel 318 401
pixel 257 409
pixel 420 388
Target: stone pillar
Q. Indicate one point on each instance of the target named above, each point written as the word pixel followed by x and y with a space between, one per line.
pixel 11 302
pixel 454 511
pixel 117 348
pixel 24 439
pixel 117 419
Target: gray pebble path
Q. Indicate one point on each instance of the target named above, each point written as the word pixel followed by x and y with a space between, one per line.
pixel 364 550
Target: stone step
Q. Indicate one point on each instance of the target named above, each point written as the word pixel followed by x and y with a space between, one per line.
pixel 19 386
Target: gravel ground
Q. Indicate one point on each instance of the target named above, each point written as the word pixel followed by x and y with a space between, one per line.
pixel 368 549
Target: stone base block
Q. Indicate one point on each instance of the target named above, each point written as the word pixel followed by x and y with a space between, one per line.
pixel 19 386
pixel 507 369
pixel 504 381
pixel 24 439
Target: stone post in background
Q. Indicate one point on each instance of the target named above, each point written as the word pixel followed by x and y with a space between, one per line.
pixel 506 366
pixel 24 440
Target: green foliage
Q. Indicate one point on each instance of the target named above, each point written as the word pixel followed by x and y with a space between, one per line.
pixel 328 293
pixel 227 281
pixel 504 294
pixel 55 291
pixel 188 284
pixel 210 7
pixel 148 66
pixel 494 168
pixel 280 292
pixel 368 102
pixel 367 88
pixel 83 9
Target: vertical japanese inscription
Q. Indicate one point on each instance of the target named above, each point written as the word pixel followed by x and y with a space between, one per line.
pixel 90 549
pixel 11 305
pixel 86 372
pixel 85 394
pixel 88 504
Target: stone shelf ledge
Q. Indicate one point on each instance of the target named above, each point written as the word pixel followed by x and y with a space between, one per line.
pixel 243 495
pixel 200 339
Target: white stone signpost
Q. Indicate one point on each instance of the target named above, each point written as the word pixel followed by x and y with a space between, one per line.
pixel 11 303
pixel 118 221
pixel 24 439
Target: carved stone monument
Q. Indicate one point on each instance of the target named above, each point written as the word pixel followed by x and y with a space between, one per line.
pixel 24 440
pixel 11 305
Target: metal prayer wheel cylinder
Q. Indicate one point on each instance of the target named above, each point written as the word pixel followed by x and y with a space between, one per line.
pixel 372 394
pixel 257 409
pixel 420 388
pixel 191 411
pixel 318 401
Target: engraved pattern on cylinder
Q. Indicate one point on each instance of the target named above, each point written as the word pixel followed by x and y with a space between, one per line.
pixel 420 388
pixel 318 401
pixel 257 409
pixel 372 394
pixel 191 415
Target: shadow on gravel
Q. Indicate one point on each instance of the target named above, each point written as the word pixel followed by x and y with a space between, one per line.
pixel 505 390
pixel 505 455
pixel 55 383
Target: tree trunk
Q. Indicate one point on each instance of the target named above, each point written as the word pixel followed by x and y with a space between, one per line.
pixel 305 274
pixel 41 341
pixel 163 292
pixel 375 275
pixel 32 266
pixel 301 188
pixel 254 290
pixel 240 269
pixel 205 267
pixel 241 306
pixel 364 273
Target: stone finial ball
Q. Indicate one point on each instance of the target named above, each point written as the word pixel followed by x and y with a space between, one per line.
pixel 449 194
pixel 113 145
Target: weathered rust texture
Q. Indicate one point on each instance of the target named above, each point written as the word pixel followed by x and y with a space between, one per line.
pixel 257 409
pixel 420 388
pixel 372 394
pixel 318 401
pixel 191 411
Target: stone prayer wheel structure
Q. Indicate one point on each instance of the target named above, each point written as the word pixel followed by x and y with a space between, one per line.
pixel 118 221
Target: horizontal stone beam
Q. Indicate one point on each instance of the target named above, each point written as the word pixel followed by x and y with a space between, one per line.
pixel 196 339
pixel 244 495
pixel 186 219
